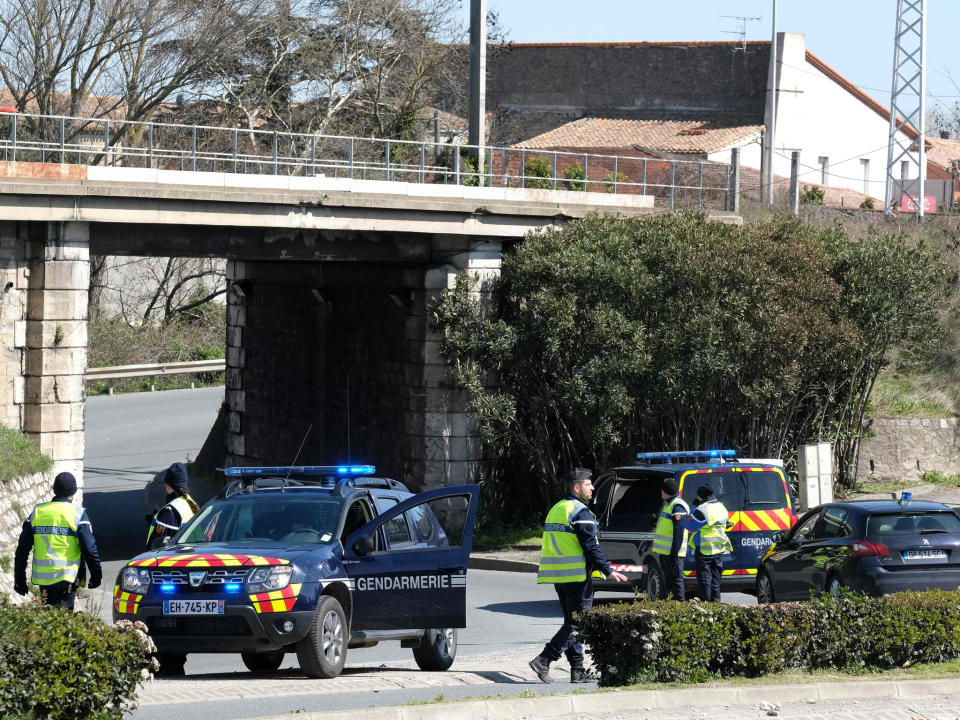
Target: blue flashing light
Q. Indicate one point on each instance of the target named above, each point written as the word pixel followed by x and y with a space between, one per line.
pixel 233 587
pixel 168 588
pixel 695 455
pixel 906 497
pixel 299 470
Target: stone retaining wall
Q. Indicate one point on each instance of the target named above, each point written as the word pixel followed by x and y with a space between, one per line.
pixel 903 448
pixel 17 499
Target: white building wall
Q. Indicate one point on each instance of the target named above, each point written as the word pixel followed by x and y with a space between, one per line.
pixel 822 119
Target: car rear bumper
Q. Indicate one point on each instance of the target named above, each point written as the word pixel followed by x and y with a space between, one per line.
pixel 239 629
pixel 880 581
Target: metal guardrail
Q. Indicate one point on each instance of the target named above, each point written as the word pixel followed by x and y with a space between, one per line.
pixel 170 146
pixel 153 370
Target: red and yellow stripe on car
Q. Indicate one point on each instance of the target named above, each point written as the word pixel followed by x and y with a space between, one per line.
pixel 209 560
pixel 276 600
pixel 736 571
pixel 760 520
pixel 125 602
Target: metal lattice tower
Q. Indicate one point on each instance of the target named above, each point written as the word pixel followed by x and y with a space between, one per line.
pixel 907 157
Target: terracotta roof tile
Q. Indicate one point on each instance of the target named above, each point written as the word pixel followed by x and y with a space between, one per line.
pixel 941 152
pixel 656 131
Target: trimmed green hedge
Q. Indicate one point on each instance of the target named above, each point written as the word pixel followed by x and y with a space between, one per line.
pixel 668 641
pixel 68 665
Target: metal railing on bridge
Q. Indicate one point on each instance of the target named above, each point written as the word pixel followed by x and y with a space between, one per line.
pixel 169 146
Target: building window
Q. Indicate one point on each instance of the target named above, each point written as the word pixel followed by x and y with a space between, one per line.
pixel 866 175
pixel 824 170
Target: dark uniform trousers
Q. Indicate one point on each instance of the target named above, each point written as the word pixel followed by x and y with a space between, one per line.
pixel 575 597
pixel 62 593
pixel 672 570
pixel 709 572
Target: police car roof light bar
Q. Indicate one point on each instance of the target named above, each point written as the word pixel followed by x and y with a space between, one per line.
pixel 670 457
pixel 300 470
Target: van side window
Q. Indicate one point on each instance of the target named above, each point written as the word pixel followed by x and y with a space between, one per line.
pixel 635 505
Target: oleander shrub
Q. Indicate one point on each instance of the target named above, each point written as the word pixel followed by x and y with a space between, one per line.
pixel 668 641
pixel 68 665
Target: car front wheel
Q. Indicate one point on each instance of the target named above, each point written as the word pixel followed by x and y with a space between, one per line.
pixel 654 582
pixel 437 650
pixel 264 663
pixel 323 651
pixel 765 593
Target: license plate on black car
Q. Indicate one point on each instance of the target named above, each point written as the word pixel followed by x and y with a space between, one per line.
pixel 924 554
pixel 193 607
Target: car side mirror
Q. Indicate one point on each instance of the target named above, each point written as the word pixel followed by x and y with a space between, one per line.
pixel 364 545
pixel 777 537
pixel 166 539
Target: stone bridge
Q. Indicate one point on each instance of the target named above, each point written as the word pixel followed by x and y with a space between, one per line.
pixel 329 281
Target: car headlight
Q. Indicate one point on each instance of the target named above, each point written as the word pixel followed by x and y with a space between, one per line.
pixel 267 579
pixel 135 580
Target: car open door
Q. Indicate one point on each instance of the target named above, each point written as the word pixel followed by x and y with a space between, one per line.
pixel 423 585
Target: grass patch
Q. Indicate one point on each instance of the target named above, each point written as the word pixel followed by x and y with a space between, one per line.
pixel 20 456
pixel 935 477
pixel 508 538
pixel 912 395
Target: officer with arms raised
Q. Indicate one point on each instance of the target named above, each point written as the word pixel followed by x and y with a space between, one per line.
pixel 570 553
pixel 670 538
pixel 61 537
pixel 708 525
pixel 179 508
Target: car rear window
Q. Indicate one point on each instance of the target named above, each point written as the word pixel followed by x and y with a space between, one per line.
pixel 918 523
pixel 727 486
pixel 764 490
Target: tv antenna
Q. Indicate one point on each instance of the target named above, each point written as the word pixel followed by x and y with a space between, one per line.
pixel 741 30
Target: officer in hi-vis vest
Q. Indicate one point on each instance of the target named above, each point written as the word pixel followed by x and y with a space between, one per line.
pixel 61 537
pixel 570 553
pixel 670 538
pixel 179 508
pixel 707 524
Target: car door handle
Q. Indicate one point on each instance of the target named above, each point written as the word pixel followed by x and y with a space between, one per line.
pixel 452 568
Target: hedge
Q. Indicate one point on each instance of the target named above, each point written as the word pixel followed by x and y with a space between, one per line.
pixel 669 641
pixel 68 665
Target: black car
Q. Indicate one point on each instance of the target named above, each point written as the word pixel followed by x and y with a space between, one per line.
pixel 877 547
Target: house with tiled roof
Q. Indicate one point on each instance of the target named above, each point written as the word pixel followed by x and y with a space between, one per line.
pixel 695 101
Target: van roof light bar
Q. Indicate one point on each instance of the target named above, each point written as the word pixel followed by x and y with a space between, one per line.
pixel 651 458
pixel 300 470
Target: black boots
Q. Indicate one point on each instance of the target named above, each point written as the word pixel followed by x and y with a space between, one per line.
pixel 579 674
pixel 541 666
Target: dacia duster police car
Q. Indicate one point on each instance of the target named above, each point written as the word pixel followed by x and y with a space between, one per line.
pixel 627 501
pixel 312 560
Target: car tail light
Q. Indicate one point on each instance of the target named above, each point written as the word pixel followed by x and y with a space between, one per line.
pixel 870 549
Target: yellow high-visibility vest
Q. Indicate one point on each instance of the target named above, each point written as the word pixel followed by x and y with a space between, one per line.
pixel 663 534
pixel 182 507
pixel 561 559
pixel 713 535
pixel 56 547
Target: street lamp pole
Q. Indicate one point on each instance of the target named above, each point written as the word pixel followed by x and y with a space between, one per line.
pixel 771 130
pixel 478 79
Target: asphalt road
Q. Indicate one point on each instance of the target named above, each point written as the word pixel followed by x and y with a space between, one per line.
pixel 132 437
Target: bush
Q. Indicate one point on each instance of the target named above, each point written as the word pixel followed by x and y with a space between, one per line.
pixel 59 664
pixel 19 455
pixel 621 178
pixel 867 204
pixel 538 168
pixel 668 641
pixel 573 177
pixel 811 195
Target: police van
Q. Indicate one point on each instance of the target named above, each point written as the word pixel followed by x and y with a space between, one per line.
pixel 312 560
pixel 627 502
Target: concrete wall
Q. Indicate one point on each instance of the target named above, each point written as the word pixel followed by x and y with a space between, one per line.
pixel 13 329
pixel 901 449
pixel 319 346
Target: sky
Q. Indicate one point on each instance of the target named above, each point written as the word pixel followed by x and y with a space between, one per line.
pixel 855 37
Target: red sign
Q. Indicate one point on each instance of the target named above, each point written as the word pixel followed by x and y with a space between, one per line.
pixel 908 203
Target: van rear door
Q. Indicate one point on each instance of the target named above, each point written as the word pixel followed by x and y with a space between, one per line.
pixel 767 509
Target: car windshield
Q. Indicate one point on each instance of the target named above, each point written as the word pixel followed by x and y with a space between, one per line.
pixel 279 519
pixel 918 523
